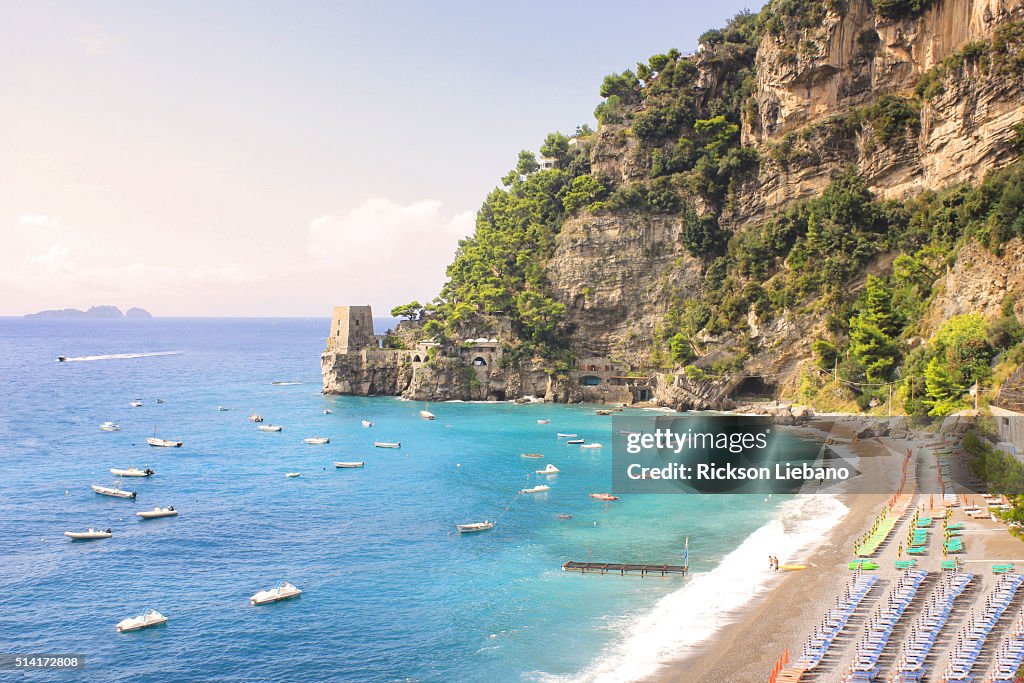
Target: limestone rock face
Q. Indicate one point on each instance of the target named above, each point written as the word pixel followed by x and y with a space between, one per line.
pixel 979 281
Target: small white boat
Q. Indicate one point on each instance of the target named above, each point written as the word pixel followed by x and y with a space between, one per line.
pixel 292 475
pixel 112 491
pixel 282 590
pixel 255 417
pixel 387 444
pixel 567 436
pixel 603 496
pixel 327 411
pixel 136 403
pixel 550 469
pixel 591 445
pixel 367 423
pixel 281 383
pixel 131 472
pixel 575 441
pixel 158 512
pixel 534 456
pixel 90 535
pixel 317 440
pixel 474 526
pixel 148 618
pixel 110 427
pixel 163 443
pixel 540 488
pixel 223 409
pixel 427 415
pixel 349 465
pixel 543 422
pixel 160 400
pixel 270 428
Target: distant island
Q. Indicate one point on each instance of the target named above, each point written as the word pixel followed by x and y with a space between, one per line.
pixel 94 313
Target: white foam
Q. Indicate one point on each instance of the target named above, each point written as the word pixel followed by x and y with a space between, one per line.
pixel 710 600
pixel 118 356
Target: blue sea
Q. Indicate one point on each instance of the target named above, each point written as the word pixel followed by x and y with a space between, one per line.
pixel 390 592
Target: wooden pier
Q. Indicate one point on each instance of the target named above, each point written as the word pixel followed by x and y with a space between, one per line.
pixel 623 569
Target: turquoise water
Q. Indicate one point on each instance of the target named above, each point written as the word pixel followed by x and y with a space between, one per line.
pixel 389 592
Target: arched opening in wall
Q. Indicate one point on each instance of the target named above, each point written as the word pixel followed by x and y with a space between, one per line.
pixel 479 360
pixel 416 359
pixel 753 388
pixel 497 395
pixel 590 380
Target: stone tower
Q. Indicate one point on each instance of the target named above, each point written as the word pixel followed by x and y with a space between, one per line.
pixel 351 329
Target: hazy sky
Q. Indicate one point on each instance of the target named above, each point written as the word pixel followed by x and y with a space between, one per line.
pixel 215 158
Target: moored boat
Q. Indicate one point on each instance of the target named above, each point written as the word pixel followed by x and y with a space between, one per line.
pixel 575 441
pixel 282 590
pixel 540 488
pixel 367 423
pixel 136 403
pixel 131 472
pixel 602 412
pixel 223 408
pixel 567 436
pixel 349 465
pixel 90 535
pixel 317 440
pixel 427 415
pixel 163 443
pixel 327 411
pixel 534 456
pixel 591 445
pixel 113 491
pixel 145 620
pixel 110 427
pixel 292 475
pixel 387 444
pixel 543 422
pixel 270 428
pixel 603 496
pixel 158 512
pixel 474 526
pixel 255 417
pixel 550 469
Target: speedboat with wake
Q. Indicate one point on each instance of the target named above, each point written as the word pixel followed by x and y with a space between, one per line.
pixel 282 590
pixel 90 535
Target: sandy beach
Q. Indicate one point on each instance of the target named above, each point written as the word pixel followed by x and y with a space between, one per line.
pixel 782 618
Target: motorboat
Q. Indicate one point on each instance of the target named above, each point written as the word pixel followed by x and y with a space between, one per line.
pixel 317 440
pixel 110 427
pixel 387 444
pixel 145 620
pixel 114 491
pixel 282 590
pixel 158 512
pixel 474 526
pixel 136 403
pixel 574 441
pixel 160 400
pixel 427 415
pixel 327 411
pixel 567 436
pixel 540 488
pixel 550 469
pixel 349 465
pixel 292 475
pixel 90 535
pixel 543 422
pixel 367 423
pixel 163 443
pixel 603 496
pixel 591 445
pixel 270 428
pixel 534 456
pixel 255 417
pixel 223 409
pixel 131 472
pixel 62 359
pixel 282 383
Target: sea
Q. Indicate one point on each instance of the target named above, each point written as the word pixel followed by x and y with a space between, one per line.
pixel 390 591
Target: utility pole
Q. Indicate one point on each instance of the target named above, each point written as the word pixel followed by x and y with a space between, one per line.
pixel 890 399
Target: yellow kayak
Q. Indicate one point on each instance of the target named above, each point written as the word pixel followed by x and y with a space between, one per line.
pixel 791 567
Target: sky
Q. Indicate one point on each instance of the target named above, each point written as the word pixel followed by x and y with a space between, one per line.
pixel 280 158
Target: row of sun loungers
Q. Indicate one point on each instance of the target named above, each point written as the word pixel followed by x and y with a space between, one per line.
pixel 828 630
pixel 925 631
pixel 1010 655
pixel 881 625
pixel 971 639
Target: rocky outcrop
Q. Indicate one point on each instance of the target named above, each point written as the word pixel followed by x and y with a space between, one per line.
pixel 978 282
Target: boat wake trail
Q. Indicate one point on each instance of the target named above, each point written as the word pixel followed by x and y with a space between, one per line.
pixel 120 356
